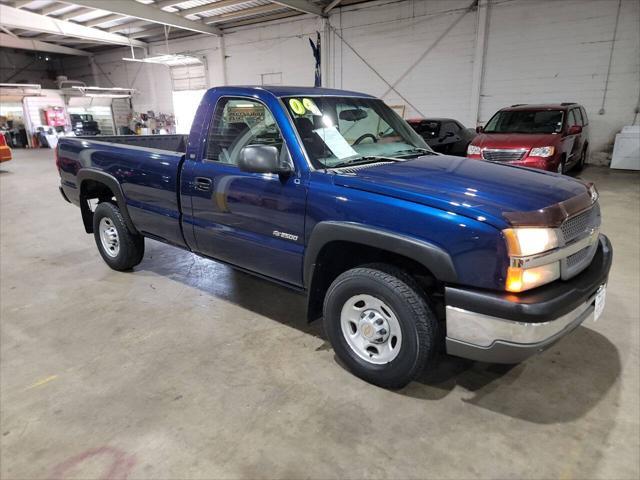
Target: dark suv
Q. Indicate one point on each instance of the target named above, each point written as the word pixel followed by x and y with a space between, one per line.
pixel 550 137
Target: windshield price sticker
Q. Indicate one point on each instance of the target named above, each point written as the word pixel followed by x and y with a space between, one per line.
pixel 311 106
pixel 297 106
pixel 336 142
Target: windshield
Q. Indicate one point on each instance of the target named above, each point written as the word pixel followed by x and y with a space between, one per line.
pixel 342 131
pixel 526 121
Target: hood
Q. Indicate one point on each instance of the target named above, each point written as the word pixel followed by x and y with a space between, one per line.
pixel 516 140
pixel 472 188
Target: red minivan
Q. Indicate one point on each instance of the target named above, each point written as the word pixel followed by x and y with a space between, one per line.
pixel 550 137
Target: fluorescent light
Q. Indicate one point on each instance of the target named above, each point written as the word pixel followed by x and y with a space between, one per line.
pixel 169 60
pixel 20 85
pixel 106 95
pixel 105 92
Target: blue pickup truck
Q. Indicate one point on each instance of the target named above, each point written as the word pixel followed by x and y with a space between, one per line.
pixel 402 251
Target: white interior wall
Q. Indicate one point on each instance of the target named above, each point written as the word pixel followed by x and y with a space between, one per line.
pixel 391 37
pixel 535 51
pixel 152 82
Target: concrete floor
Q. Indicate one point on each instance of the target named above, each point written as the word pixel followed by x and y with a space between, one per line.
pixel 187 369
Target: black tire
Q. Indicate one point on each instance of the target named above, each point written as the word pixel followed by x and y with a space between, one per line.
pixel 130 246
pixel 562 167
pixel 418 324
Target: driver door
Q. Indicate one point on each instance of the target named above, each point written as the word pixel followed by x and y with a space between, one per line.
pixel 251 220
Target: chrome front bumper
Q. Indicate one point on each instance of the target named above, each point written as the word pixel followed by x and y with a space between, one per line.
pixel 496 340
pixel 508 328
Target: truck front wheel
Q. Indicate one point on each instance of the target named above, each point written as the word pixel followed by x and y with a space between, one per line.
pixel 379 325
pixel 120 249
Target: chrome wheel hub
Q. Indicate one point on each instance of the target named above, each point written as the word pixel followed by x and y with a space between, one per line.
pixel 371 329
pixel 374 326
pixel 109 237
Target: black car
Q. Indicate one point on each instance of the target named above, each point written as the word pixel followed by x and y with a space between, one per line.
pixel 444 135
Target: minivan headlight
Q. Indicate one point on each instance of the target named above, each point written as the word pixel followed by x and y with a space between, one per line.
pixel 473 150
pixel 522 242
pixel 542 152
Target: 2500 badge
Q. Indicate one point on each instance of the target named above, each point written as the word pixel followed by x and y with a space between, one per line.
pixel 286 236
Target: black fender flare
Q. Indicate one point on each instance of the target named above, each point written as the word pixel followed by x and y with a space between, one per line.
pixel 113 184
pixel 432 257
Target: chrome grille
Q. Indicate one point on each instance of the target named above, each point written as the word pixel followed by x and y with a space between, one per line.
pixel 503 155
pixel 580 224
pixel 576 258
pixel 575 229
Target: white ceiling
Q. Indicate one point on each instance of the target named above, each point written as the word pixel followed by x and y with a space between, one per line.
pixel 89 25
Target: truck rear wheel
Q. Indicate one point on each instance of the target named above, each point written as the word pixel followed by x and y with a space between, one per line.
pixel 379 325
pixel 120 249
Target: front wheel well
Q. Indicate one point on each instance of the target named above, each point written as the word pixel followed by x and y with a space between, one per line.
pixel 337 257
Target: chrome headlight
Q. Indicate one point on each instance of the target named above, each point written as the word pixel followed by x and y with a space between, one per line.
pixel 542 152
pixel 524 242
pixel 473 150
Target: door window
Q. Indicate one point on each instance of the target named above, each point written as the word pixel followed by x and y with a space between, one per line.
pixel 578 115
pixel 237 123
pixel 427 129
pixel 571 119
pixel 449 127
pixel 585 120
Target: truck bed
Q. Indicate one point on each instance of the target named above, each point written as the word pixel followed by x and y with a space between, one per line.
pixel 145 168
pixel 171 143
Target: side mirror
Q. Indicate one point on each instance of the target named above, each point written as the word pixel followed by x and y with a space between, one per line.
pixel 261 159
pixel 574 130
pixel 479 129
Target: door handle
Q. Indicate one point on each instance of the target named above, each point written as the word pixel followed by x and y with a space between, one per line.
pixel 202 184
